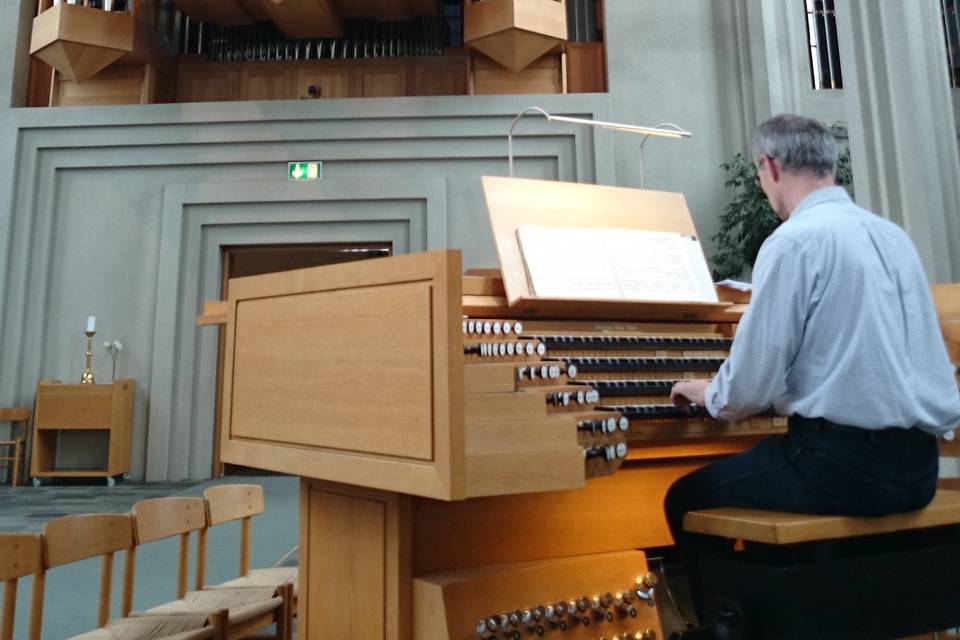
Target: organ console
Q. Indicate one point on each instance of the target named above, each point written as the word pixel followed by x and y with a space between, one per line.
pixel 491 467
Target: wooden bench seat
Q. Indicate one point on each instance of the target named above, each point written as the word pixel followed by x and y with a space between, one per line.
pixel 773 527
pixel 895 574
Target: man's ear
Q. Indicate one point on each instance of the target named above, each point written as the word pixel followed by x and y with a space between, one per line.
pixel 773 168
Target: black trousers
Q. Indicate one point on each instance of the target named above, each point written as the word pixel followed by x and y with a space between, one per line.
pixel 817 467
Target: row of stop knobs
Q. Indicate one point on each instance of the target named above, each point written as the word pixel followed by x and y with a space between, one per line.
pixel 581 611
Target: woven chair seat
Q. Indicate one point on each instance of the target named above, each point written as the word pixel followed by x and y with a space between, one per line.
pixel 265 578
pixel 180 627
pixel 242 604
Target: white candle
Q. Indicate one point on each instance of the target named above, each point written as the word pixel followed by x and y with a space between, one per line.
pixel 91 323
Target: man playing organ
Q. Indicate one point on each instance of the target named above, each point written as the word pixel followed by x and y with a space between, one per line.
pixel 840 335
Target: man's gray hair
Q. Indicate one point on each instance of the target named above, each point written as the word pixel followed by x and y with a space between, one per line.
pixel 798 144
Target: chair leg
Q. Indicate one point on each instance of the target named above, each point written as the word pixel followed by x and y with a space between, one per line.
pixel 17 446
pixel 284 614
pixel 220 620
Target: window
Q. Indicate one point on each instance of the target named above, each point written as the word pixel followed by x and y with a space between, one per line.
pixel 951 31
pixel 824 47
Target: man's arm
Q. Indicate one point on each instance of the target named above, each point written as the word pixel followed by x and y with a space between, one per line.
pixel 769 335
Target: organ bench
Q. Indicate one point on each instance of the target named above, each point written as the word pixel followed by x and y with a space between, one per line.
pixel 804 576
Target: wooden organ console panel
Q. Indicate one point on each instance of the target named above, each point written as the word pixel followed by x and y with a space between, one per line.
pixel 471 467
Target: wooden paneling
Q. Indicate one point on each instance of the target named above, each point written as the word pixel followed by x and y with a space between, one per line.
pixel 159 86
pixel 332 82
pixel 117 84
pixel 586 67
pixel 613 513
pixel 375 341
pixel 200 81
pixel 447 605
pixel 255 9
pixel 208 83
pixel 543 76
pixel 263 83
pixel 383 82
pixel 355 563
pixel 73 406
pixel 365 353
pixel 446 76
pixel 41 78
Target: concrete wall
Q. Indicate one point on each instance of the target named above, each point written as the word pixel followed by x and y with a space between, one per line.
pixel 120 212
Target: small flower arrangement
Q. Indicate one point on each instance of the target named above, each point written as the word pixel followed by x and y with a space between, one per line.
pixel 114 348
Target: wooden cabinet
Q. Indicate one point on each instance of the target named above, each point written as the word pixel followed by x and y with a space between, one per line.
pixel 101 411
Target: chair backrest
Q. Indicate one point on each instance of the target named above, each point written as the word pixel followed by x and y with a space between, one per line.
pixel 159 518
pixel 20 555
pixel 14 415
pixel 73 538
pixel 228 502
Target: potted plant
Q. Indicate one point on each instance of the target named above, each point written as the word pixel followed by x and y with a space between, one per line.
pixel 747 220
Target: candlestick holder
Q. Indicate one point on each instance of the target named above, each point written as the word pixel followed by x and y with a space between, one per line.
pixel 87 376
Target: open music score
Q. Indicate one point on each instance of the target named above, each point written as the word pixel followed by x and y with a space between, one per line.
pixel 605 263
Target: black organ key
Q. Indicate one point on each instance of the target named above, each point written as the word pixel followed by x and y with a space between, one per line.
pixel 641 411
pixel 614 388
pixel 597 364
pixel 633 342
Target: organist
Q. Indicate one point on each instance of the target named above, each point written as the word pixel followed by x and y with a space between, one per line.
pixel 842 336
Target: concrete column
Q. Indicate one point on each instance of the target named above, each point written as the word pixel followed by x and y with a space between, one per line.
pixel 903 137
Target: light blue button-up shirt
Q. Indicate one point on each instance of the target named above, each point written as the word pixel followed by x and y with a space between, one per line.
pixel 841 325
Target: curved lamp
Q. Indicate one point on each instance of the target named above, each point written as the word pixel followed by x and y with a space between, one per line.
pixel 673 132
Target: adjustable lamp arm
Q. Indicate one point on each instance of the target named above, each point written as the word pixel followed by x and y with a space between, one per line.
pixel 673 132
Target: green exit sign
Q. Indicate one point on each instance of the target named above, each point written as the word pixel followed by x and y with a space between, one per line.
pixel 304 170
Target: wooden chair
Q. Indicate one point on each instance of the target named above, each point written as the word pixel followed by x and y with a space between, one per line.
pixel 20 555
pixel 804 576
pixel 244 610
pixel 15 415
pixel 229 502
pixel 73 538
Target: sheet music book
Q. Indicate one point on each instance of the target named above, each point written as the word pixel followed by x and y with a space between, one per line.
pixel 614 264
